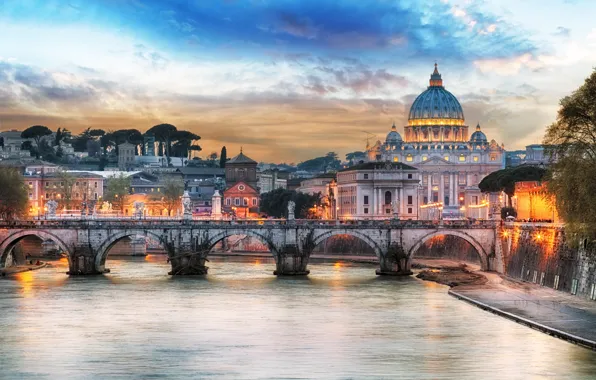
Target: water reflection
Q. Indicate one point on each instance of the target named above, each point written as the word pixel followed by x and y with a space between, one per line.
pixel 241 322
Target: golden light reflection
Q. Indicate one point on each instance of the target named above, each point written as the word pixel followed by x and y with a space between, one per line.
pixel 337 265
pixel 25 279
pixel 257 263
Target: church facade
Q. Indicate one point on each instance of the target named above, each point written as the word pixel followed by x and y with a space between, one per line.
pixel 450 162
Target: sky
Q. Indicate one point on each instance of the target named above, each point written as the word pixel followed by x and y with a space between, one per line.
pixel 289 80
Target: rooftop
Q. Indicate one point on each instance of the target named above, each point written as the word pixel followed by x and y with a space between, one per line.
pixel 379 166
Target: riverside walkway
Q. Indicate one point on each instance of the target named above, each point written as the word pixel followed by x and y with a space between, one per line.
pixel 556 313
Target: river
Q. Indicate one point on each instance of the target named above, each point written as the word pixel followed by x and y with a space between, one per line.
pixel 241 322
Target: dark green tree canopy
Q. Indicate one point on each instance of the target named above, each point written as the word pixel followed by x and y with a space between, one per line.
pixel 223 157
pixel 13 194
pixel 329 162
pixel 505 179
pixel 36 132
pixel 275 203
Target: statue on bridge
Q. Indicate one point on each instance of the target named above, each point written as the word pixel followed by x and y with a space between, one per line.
pixel 139 209
pixel 291 207
pixel 52 205
pixel 106 207
pixel 186 205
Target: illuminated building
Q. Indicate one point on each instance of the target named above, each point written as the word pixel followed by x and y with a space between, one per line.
pixel 450 163
pixel 377 190
pixel 532 203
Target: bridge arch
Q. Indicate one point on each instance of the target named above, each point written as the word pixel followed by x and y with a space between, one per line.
pixel 355 233
pixel 483 255
pixel 104 249
pixel 213 240
pixel 9 243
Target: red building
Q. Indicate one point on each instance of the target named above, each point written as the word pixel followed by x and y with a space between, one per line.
pixel 241 196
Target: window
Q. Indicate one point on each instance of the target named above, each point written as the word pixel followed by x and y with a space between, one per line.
pixel 76 195
pixel 366 210
pixel 474 199
pixel 30 195
pixel 395 159
pixel 424 157
pixel 410 199
pixel 409 210
pixel 446 158
pixel 96 184
pixel 365 176
pixel 228 201
pixel 30 184
pixel 493 157
pixel 461 178
pixel 254 201
pixel 387 211
pixel 409 176
pixel 245 201
pixel 61 184
pixel 241 187
pixel 409 158
pixel 366 200
pixel 237 201
pixel 475 158
pixel 47 195
pixel 462 158
pixel 388 197
pixel 47 184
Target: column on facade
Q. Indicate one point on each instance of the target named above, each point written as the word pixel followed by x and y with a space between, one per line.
pixel 380 203
pixel 401 201
pixel 441 187
pixel 429 189
pixel 451 189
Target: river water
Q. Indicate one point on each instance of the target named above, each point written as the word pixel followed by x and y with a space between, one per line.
pixel 240 322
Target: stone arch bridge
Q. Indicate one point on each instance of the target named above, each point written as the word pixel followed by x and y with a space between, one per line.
pixel 188 242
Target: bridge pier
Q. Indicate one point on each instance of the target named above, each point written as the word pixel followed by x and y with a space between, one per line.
pixel 82 262
pixel 186 261
pixel 291 262
pixel 394 262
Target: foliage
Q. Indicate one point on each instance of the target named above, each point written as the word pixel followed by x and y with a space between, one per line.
pixel 355 157
pixel 505 179
pixel 117 191
pixel 329 162
pixel 13 194
pixel 275 203
pixel 508 211
pixel 223 157
pixel 172 191
pixel 572 178
pixel 184 141
pixel 80 143
pixel 164 133
pixel 36 133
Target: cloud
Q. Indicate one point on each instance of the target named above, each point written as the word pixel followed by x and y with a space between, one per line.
pixel 562 32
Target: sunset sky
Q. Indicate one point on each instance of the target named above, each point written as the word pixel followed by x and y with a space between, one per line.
pixel 289 79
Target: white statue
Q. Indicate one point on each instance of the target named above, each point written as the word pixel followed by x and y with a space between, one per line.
pixel 139 208
pixel 216 205
pixel 395 207
pixel 186 205
pixel 106 206
pixel 52 205
pixel 291 207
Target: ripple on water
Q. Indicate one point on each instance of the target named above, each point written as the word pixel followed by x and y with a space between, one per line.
pixel 241 322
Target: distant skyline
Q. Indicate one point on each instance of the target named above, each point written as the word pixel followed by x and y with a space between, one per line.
pixel 289 80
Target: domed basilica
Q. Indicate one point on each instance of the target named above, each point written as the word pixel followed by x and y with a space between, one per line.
pixel 450 163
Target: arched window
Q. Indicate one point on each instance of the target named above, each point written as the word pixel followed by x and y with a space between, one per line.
pixel 388 197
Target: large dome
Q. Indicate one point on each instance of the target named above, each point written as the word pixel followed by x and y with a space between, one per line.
pixel 436 105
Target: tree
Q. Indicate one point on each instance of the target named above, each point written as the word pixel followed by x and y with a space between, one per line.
pixel 223 157
pixel 329 162
pixel 13 194
pixel 505 179
pixel 172 191
pixel 275 203
pixel 355 157
pixel 572 178
pixel 164 133
pixel 183 141
pixel 194 148
pixel 36 132
pixel 117 191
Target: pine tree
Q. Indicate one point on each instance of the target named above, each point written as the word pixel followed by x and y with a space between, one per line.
pixel 223 157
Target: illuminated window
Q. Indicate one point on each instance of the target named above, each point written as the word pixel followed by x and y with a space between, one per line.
pixel 395 159
pixel 475 158
pixel 446 158
pixel 493 157
pixel 462 158
pixel 424 157
pixel 409 158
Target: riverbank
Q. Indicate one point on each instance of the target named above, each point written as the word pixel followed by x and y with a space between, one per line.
pixel 22 268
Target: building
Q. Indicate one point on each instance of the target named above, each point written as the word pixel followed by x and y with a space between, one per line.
pixel 531 202
pixel 535 154
pixel 269 180
pixel 450 163
pixel 326 185
pixel 126 156
pixel 241 197
pixel 377 190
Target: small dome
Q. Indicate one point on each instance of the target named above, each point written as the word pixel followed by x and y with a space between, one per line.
pixel 393 137
pixel 478 136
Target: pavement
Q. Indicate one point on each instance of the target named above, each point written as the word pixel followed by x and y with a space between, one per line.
pixel 554 312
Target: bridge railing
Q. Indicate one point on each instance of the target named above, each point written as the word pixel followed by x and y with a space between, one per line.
pixel 258 223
